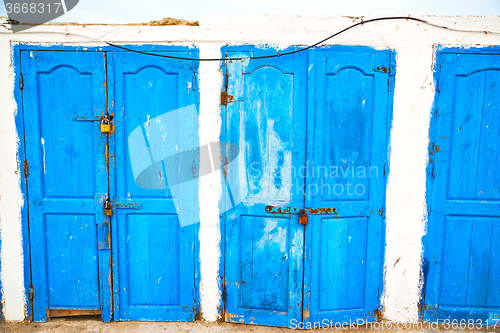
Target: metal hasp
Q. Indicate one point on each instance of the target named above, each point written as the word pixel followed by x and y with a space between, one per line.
pixel 108 206
pixel 303 219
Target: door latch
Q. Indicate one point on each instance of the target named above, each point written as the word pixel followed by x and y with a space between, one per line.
pixel 303 213
pixel 108 206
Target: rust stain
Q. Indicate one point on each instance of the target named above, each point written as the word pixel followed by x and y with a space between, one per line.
pixel 225 99
pixel 381 212
pixel 397 261
pixel 226 162
pixel 229 316
pixel 382 69
pixel 377 313
pixel 129 205
pixel 433 148
pixel 26 169
pixel 306 314
pixel 428 307
pixel 302 212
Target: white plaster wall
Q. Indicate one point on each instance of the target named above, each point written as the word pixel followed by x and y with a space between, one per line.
pixel 10 195
pixel 413 98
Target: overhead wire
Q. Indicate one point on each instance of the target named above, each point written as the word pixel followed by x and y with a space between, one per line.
pixel 362 22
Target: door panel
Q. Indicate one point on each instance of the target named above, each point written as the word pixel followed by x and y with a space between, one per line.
pixel 155 274
pixel 349 117
pixel 264 251
pixel 67 171
pixel 464 212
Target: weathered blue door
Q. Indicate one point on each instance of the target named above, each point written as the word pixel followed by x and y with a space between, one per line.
pixel 155 256
pixel 349 114
pixel 263 251
pixel 67 183
pixel 461 247
pixel 333 106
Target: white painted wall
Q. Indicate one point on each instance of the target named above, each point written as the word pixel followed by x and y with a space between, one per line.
pixel 413 98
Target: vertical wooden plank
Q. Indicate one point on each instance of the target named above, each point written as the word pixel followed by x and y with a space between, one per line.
pixel 442 132
pixel 487 175
pixel 32 127
pixel 456 265
pixel 356 263
pixel 493 299
pixel 333 267
pixel 479 262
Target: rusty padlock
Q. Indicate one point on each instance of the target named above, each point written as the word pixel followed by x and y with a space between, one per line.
pixel 107 208
pixel 303 217
pixel 105 125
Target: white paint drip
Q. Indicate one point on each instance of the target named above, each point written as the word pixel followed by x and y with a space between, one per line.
pixel 43 154
pixel 273 235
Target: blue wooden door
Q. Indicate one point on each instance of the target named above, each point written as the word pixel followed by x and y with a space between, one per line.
pixel 349 114
pixel 461 254
pixel 277 271
pixel 264 251
pixel 67 182
pixel 155 257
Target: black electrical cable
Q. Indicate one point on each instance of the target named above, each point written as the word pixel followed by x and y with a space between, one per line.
pixel 407 18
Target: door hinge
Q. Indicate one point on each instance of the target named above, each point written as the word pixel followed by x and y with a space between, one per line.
pixel 26 169
pixel 225 98
pixel 31 293
pixel 21 82
pixel 381 212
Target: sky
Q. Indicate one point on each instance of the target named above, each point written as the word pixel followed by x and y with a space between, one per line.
pixel 136 11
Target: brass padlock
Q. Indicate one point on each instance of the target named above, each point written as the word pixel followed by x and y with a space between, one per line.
pixel 303 217
pixel 107 208
pixel 105 125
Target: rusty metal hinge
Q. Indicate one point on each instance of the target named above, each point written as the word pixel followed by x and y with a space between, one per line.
pixel 21 82
pixel 381 212
pixel 31 293
pixel 26 169
pixel 225 98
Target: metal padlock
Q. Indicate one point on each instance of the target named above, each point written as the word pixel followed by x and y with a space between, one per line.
pixel 107 208
pixel 303 217
pixel 105 125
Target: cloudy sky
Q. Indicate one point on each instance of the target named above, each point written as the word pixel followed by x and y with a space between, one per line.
pixel 135 11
